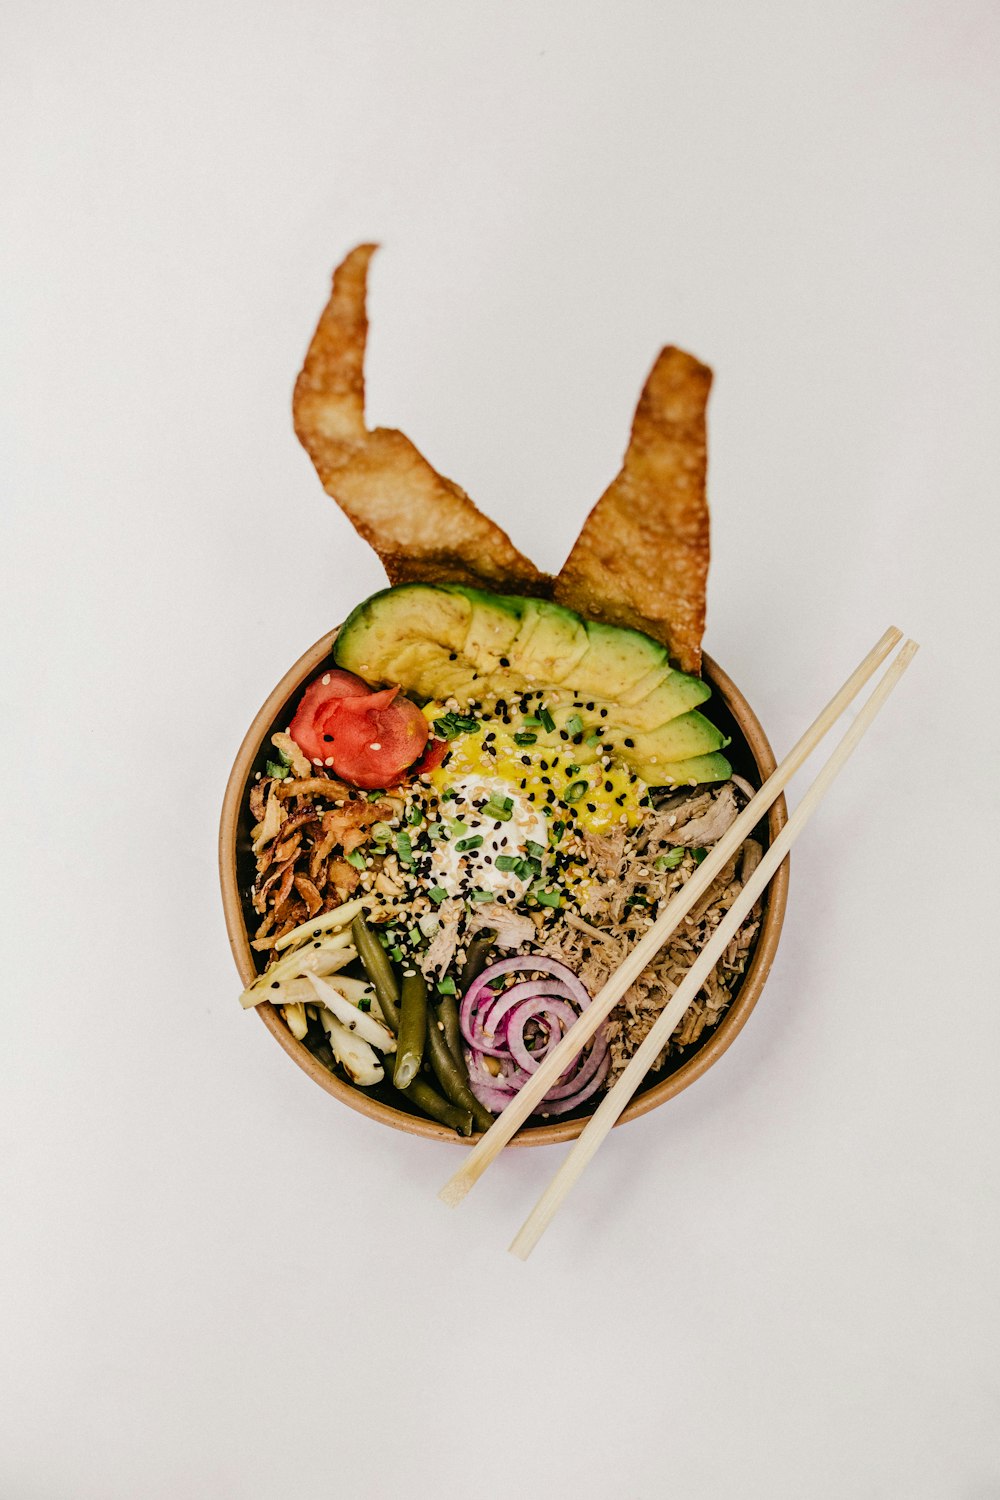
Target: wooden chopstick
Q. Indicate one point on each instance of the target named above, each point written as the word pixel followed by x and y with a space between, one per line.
pixel 610 1108
pixel 525 1100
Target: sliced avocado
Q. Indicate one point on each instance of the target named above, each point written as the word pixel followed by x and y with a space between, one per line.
pixel 494 623
pixel 550 643
pixel 674 694
pixel 699 768
pixel 679 739
pixel 615 661
pixel 413 624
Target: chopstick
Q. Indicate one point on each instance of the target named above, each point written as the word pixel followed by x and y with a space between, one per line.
pixel 611 1107
pixel 486 1150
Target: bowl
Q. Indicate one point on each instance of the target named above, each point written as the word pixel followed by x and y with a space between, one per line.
pixel 751 756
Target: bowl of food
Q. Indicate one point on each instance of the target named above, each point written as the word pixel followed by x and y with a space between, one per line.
pixel 456 814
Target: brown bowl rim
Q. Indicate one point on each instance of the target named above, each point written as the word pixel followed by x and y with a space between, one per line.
pixel 722 1037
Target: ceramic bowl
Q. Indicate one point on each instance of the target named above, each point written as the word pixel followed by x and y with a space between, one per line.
pixel 751 756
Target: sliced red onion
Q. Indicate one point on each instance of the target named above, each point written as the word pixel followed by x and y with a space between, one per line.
pixel 493 1025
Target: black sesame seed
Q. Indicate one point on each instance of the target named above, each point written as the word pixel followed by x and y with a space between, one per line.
pixel 505 661
pixel 609 786
pixel 629 744
pixel 591 806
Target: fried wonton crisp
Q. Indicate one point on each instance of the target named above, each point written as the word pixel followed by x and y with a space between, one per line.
pixel 422 526
pixel 642 556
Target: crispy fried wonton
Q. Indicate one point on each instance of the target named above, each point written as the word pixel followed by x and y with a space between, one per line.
pixel 422 526
pixel 642 556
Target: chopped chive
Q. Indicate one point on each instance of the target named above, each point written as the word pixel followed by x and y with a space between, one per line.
pixel 446 986
pixel 670 861
pixel 449 794
pixel 558 829
pixel 364 1004
pixel 548 898
pixel 381 832
pixel 525 739
pixel 404 848
pixel 571 770
pixel 438 894
pixel 473 842
pixel 574 723
pixel 450 726
pixel 546 720
pixel 481 895
pixel 593 739
pixel 416 816
pixel 698 855
pixel 537 850
pixel 575 792
pixel 396 954
pixel 375 796
pixel 415 936
pixel 356 858
pixel 507 862
pixel 279 771
pixel 532 721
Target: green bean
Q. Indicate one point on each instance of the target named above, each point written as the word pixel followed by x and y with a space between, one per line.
pixel 430 1101
pixel 379 970
pixel 452 1076
pixel 476 958
pixel 412 1028
pixel 448 1014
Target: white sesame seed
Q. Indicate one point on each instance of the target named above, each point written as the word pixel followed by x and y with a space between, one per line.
pixel 326 680
pixel 328 761
pixel 373 746
pixel 317 762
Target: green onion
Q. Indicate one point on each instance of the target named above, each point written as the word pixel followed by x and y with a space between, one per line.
pixel 473 842
pixel 575 792
pixel 670 861
pixel 285 759
pixel 415 936
pixel 502 811
pixel 428 924
pixel 449 794
pixel 574 724
pixel 532 721
pixel 450 726
pixel 416 816
pixel 537 850
pixel 571 770
pixel 446 986
pixel 525 739
pixel 404 849
pixel 546 720
pixel 279 772
pixel 438 894
pixel 593 739
pixel 364 1004
pixel 396 954
pixel 481 895
pixel 698 855
pixel 356 858
pixel 375 796
pixel 381 833
pixel 548 898
pixel 558 829
pixel 507 862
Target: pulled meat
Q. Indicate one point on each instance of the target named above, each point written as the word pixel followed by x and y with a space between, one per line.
pixel 624 901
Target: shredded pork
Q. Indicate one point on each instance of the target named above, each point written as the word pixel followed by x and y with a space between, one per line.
pixel 624 901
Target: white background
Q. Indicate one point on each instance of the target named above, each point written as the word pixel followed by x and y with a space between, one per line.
pixel 217 1282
